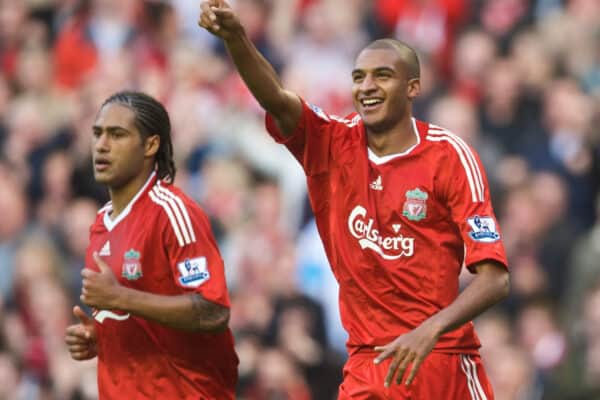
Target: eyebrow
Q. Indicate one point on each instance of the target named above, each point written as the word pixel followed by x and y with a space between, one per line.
pixel 110 128
pixel 378 69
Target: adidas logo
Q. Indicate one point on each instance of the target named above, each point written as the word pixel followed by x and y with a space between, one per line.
pixel 376 184
pixel 105 251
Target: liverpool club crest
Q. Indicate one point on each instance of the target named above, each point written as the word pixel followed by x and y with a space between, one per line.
pixel 132 268
pixel 415 206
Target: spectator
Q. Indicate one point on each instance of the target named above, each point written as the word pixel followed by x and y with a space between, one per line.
pixel 519 80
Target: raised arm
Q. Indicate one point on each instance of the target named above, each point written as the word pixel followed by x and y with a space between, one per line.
pixel 286 107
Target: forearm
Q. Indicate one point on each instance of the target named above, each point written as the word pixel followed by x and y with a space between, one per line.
pixel 263 82
pixel 491 285
pixel 188 312
pixel 260 77
pixel 256 71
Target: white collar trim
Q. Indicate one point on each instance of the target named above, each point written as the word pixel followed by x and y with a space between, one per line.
pixel 383 159
pixel 110 223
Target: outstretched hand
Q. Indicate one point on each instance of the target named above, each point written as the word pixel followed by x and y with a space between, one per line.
pixel 217 17
pixel 100 289
pixel 81 338
pixel 411 347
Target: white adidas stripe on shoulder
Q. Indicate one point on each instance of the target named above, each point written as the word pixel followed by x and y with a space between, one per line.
pixel 474 194
pixel 182 207
pixel 467 158
pixel 472 161
pixel 177 213
pixel 167 209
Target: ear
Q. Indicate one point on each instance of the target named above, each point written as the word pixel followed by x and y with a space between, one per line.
pixel 151 145
pixel 413 88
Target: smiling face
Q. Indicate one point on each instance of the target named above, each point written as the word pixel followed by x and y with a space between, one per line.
pixel 382 90
pixel 119 152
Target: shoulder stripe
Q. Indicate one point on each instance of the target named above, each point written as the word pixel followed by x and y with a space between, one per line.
pixel 462 160
pixel 167 209
pixel 436 130
pixel 179 220
pixel 182 208
pixel 176 212
pixel 467 158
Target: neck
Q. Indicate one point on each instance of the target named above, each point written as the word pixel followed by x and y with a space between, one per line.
pixel 121 196
pixel 395 140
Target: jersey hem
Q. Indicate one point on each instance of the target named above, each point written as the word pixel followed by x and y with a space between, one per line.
pixel 471 265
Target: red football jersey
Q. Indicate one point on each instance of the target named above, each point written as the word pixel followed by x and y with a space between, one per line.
pixel 161 243
pixel 396 229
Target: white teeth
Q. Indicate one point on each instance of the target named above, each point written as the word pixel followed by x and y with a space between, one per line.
pixel 370 102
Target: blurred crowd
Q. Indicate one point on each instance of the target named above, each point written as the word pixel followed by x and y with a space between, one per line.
pixel 518 79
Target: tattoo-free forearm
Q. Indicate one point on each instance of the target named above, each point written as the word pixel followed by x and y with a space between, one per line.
pixel 255 70
pixel 490 285
pixel 263 82
pixel 189 312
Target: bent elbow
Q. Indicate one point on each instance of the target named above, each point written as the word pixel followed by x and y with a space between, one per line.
pixel 218 323
pixel 223 321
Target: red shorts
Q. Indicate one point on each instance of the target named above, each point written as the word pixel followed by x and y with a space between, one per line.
pixel 441 376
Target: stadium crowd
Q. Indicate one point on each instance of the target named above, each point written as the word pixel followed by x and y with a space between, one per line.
pixel 518 79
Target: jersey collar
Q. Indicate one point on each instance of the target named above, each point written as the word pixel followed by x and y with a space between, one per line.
pixel 383 159
pixel 110 223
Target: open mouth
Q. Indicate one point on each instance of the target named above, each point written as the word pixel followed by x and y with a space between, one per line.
pixel 371 103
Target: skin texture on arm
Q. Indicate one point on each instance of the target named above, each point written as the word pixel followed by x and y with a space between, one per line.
pixel 491 284
pixel 286 107
pixel 188 312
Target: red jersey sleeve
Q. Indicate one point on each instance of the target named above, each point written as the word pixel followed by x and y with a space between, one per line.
pixel 193 256
pixel 310 142
pixel 468 198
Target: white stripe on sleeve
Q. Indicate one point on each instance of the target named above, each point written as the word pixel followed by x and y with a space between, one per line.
pixel 470 157
pixel 167 209
pixel 176 212
pixel 462 160
pixel 182 208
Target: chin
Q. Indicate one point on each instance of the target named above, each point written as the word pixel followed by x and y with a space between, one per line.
pixel 375 125
pixel 102 179
pixel 369 119
pixel 374 117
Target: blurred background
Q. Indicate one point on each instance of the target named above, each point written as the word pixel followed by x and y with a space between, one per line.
pixel 518 79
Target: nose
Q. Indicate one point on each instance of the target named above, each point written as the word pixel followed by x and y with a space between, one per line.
pixel 368 84
pixel 101 143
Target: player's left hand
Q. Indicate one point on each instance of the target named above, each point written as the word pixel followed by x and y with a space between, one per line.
pixel 412 347
pixel 100 289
